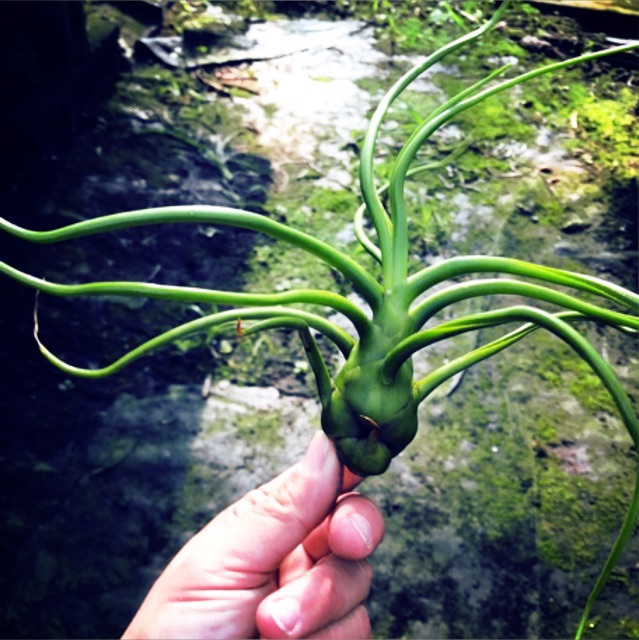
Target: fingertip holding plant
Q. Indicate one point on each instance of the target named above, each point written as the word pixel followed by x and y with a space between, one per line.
pixel 369 408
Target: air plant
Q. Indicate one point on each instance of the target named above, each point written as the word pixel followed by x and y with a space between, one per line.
pixel 369 409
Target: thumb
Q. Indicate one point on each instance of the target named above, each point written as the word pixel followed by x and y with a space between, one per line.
pixel 215 583
pixel 264 526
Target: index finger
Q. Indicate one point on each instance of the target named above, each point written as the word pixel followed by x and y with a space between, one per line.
pixel 352 530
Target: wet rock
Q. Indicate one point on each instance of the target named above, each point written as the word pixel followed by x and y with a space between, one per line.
pixel 212 27
pixel 163 463
pixel 576 225
pixel 263 41
pixel 167 50
pixel 533 43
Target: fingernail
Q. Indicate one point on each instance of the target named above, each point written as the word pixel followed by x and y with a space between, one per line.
pixel 363 528
pixel 286 614
pixel 317 453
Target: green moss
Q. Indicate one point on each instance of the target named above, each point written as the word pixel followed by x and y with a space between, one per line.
pixel 404 33
pixel 484 465
pixel 587 386
pixel 265 430
pixel 562 368
pixel 534 197
pixel 608 133
pixel 503 495
pixel 321 212
pixel 192 511
pixel 341 202
pixel 575 512
pixel 492 119
pixel 546 432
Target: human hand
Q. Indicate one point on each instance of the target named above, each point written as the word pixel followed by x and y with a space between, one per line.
pixel 285 561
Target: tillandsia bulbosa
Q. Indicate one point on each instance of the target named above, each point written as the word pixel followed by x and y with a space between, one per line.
pixel 369 409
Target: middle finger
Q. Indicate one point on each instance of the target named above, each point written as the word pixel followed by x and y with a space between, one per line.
pixel 325 593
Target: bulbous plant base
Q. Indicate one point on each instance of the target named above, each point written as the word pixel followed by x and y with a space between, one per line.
pixel 368 453
pixel 369 420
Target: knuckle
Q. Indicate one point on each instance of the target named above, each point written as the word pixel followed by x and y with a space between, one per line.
pixel 278 502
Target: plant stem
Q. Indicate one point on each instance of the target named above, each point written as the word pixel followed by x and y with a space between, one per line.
pixel 446 330
pixel 625 533
pixel 196 294
pixel 315 359
pixel 365 284
pixel 562 330
pixel 397 200
pixel 383 225
pixel 462 291
pixel 430 125
pixel 464 265
pixel 341 339
pixel 360 232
